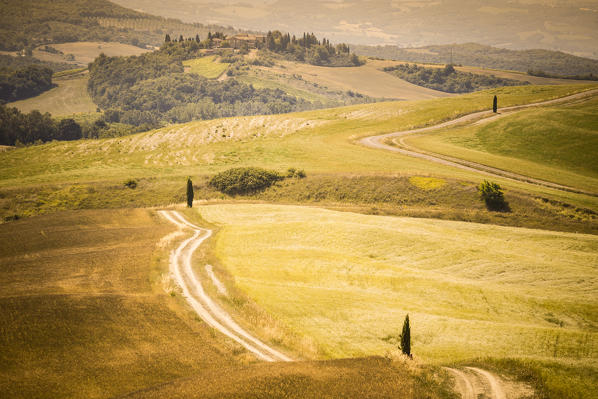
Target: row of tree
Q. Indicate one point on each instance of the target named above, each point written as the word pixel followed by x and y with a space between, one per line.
pixel 20 128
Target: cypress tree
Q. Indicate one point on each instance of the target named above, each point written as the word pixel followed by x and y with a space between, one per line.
pixel 181 39
pixel 495 104
pixel 406 338
pixel 197 38
pixel 167 38
pixel 189 193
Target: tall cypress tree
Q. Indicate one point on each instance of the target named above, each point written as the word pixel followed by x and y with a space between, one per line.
pixel 495 104
pixel 406 338
pixel 189 193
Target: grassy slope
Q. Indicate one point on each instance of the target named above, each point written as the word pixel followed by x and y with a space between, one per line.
pixel 347 281
pixel 557 143
pixel 84 313
pixel 70 97
pixel 77 301
pixel 205 66
pixel 319 141
pixel 366 79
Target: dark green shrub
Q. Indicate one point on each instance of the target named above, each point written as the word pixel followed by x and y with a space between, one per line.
pixel 131 183
pixel 492 195
pixel 244 180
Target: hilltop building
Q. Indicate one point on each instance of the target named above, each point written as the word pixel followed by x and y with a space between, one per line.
pixel 251 41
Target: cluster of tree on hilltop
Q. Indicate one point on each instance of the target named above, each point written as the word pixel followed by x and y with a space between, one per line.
pixel 552 62
pixel 311 50
pixel 152 88
pixel 25 82
pixel 448 79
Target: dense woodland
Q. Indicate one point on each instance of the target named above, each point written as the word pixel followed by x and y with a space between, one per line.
pixel 448 79
pixel 552 62
pixel 311 50
pixel 24 82
pixel 152 88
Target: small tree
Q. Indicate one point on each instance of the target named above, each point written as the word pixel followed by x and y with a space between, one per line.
pixel 167 38
pixel 495 104
pixel 189 193
pixel 405 345
pixel 492 195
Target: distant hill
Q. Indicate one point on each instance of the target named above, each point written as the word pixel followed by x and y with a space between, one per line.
pixel 473 54
pixel 30 23
pixel 564 25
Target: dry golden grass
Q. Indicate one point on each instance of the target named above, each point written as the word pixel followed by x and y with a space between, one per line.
pixel 86 312
pixel 366 79
pixel 347 280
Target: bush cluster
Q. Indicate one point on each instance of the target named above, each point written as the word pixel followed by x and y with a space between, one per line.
pixel 244 180
pixel 491 193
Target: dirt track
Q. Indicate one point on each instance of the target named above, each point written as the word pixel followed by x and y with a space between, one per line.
pixel 378 142
pixel 470 382
pixel 204 306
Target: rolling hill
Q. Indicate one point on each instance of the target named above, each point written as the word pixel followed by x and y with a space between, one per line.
pixel 473 54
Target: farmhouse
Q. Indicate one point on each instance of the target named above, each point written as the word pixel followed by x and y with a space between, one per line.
pixel 251 41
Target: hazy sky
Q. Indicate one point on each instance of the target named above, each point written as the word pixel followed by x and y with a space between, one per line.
pixel 554 24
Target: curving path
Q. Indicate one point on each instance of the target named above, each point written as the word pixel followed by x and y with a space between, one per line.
pixel 378 142
pixel 204 306
pixel 473 382
pixel 469 382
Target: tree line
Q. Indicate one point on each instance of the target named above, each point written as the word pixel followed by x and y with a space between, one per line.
pixel 19 128
pixel 448 79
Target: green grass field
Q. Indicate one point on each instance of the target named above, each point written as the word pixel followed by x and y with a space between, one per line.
pixel 554 143
pixel 69 97
pixel 206 67
pixel 273 83
pixel 321 142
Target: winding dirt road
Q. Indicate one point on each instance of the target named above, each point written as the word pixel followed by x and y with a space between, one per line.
pixel 473 383
pixel 470 382
pixel 378 142
pixel 204 306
